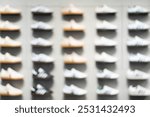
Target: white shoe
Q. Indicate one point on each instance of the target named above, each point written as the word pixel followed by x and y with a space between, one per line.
pixel 107 74
pixel 138 25
pixel 41 9
pixel 6 25
pixel 104 57
pixel 104 9
pixel 138 91
pixel 74 90
pixel 139 58
pixel 137 9
pixel 104 25
pixel 70 42
pixel 41 26
pixel 9 10
pixel 73 73
pixel 137 41
pixel 106 90
pixel 73 26
pixel 105 42
pixel 41 42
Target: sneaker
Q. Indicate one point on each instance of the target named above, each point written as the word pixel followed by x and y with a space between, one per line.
pixel 9 10
pixel 106 90
pixel 137 75
pixel 107 74
pixel 138 25
pixel 137 9
pixel 104 25
pixel 137 41
pixel 139 58
pixel 41 42
pixel 10 74
pixel 74 90
pixel 73 73
pixel 105 42
pixel 41 26
pixel 42 58
pixel 70 42
pixel 106 58
pixel 74 59
pixel 73 26
pixel 72 10
pixel 41 10
pixel 104 9
pixel 138 91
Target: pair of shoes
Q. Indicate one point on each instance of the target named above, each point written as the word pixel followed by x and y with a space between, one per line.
pixel 139 58
pixel 8 58
pixel 137 10
pixel 138 91
pixel 41 26
pixel 8 42
pixel 9 90
pixel 72 10
pixel 10 74
pixel 7 26
pixel 73 73
pixel 106 90
pixel 104 9
pixel 41 10
pixel 42 58
pixel 137 41
pixel 103 41
pixel 70 42
pixel 138 25
pixel 41 74
pixel 74 59
pixel 73 26
pixel 104 25
pixel 9 10
pixel 107 74
pixel 74 90
pixel 40 90
pixel 41 42
pixel 105 58
pixel 137 75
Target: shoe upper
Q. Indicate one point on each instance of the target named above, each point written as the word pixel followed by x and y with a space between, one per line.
pixel 41 9
pixel 40 42
pixel 72 9
pixel 41 26
pixel 9 9
pixel 139 58
pixel 137 9
pixel 105 9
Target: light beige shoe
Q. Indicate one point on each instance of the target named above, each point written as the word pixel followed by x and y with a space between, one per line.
pixel 7 26
pixel 9 10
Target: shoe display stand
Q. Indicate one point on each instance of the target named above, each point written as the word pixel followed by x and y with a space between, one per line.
pixel 89 19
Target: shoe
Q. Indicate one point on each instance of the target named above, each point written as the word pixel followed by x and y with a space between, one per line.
pixel 7 26
pixel 41 42
pixel 137 9
pixel 138 25
pixel 70 42
pixel 73 26
pixel 139 58
pixel 72 10
pixel 107 74
pixel 9 90
pixel 104 9
pixel 73 73
pixel 74 59
pixel 40 90
pixel 137 41
pixel 9 10
pixel 106 58
pixel 106 90
pixel 41 74
pixel 10 74
pixel 41 26
pixel 42 58
pixel 138 91
pixel 137 75
pixel 74 90
pixel 105 42
pixel 41 10
pixel 104 25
